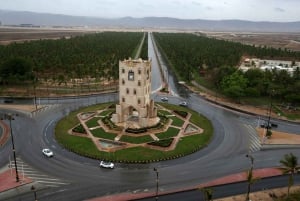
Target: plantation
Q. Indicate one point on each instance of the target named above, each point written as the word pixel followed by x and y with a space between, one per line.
pixel 189 54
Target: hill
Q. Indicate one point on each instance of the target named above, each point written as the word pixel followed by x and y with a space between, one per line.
pixel 44 19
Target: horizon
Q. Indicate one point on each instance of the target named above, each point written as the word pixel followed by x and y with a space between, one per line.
pixel 234 19
pixel 248 10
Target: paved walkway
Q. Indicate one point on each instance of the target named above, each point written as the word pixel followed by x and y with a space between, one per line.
pixel 8 180
pixel 239 177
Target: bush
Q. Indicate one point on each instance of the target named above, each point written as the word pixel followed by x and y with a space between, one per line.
pixel 162 143
pixel 136 130
pixel 269 134
pixel 79 129
pixel 181 113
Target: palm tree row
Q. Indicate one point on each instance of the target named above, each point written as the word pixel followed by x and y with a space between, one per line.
pixel 289 166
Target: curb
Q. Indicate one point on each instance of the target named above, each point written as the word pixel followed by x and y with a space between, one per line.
pixel 278 146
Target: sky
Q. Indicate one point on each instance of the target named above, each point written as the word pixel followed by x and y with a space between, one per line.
pixel 253 10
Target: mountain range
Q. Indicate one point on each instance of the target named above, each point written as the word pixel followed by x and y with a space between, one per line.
pixel 8 17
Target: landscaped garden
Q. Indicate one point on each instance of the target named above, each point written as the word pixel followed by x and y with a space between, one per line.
pixel 89 132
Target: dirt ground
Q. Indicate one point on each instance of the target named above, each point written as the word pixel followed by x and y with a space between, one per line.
pixel 265 195
pixel 289 41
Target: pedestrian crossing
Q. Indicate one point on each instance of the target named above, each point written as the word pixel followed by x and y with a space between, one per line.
pixel 25 170
pixel 254 141
pixel 43 109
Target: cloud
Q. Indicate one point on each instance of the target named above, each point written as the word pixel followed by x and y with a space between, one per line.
pixel 279 9
pixel 196 3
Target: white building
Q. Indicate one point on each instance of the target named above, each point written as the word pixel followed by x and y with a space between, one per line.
pixel 265 64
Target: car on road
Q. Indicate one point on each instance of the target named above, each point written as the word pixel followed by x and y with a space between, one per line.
pixel 183 103
pixel 164 99
pixel 106 164
pixel 47 152
pixel 268 125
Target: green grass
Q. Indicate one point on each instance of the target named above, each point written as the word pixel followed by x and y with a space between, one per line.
pixel 176 121
pixel 171 132
pixel 106 112
pixel 92 122
pixel 136 140
pixel 164 112
pixel 99 132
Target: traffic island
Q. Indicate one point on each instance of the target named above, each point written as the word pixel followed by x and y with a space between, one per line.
pixel 89 132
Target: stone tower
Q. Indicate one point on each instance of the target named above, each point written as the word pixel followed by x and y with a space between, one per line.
pixel 135 108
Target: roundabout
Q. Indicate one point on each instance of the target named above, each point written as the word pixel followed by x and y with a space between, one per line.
pixel 89 132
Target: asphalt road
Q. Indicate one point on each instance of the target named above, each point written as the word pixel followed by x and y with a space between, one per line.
pixel 72 177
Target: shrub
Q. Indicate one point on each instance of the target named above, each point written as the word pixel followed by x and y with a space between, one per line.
pixel 136 130
pixel 269 134
pixel 79 129
pixel 162 143
pixel 181 113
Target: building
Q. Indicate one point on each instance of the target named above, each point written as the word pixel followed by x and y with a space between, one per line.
pixel 265 64
pixel 135 108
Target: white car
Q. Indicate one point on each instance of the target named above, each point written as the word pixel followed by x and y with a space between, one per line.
pixel 47 152
pixel 183 103
pixel 164 99
pixel 106 164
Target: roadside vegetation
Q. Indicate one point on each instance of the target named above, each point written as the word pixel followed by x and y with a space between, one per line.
pixel 213 63
pixel 84 145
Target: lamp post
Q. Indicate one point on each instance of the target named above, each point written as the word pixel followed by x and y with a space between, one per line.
pixel 34 89
pixel 156 195
pixel 270 110
pixel 34 192
pixel 11 117
pixel 166 78
pixel 250 172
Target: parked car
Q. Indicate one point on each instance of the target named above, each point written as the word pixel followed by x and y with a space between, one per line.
pixel 268 126
pixel 164 99
pixel 183 103
pixel 265 125
pixel 106 164
pixel 47 152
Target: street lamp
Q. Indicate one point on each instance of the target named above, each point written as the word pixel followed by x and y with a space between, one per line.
pixel 249 176
pixel 167 78
pixel 156 170
pixel 270 110
pixel 11 117
pixel 34 89
pixel 34 192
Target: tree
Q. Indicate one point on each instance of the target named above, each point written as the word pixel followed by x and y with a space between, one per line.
pixel 250 178
pixel 290 166
pixel 208 193
pixel 16 69
pixel 234 85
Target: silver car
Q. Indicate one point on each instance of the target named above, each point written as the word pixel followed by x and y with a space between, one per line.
pixel 106 164
pixel 47 152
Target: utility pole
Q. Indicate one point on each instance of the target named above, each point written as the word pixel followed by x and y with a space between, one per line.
pixel 157 180
pixel 10 117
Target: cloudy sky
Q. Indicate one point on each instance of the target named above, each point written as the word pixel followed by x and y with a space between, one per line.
pixel 254 10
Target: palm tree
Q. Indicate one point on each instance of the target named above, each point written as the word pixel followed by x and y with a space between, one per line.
pixel 290 163
pixel 208 193
pixel 250 178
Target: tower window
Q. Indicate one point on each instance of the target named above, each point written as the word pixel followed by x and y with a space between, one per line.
pixel 131 75
pixel 139 83
pixel 127 91
pixel 123 70
pixel 134 91
pixel 139 71
pixel 123 99
pixel 123 81
pixel 139 101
